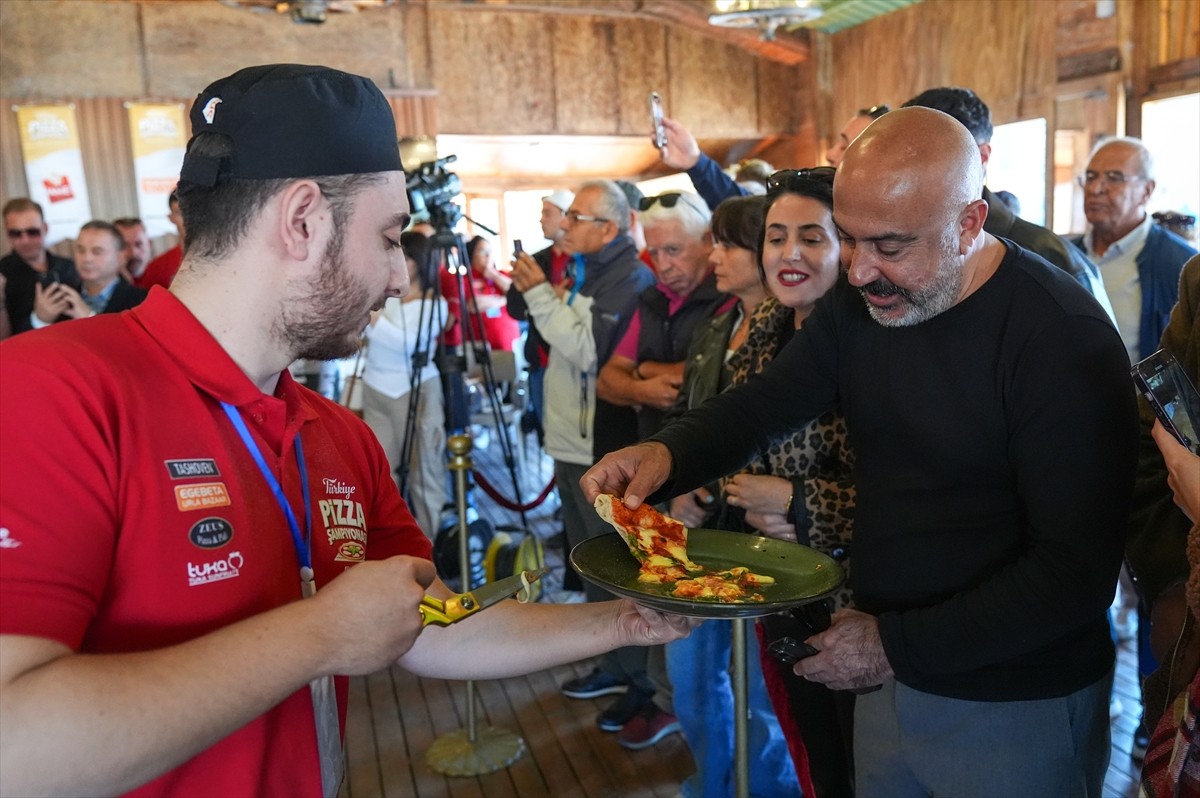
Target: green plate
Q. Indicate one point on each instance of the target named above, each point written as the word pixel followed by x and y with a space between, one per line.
pixel 801 574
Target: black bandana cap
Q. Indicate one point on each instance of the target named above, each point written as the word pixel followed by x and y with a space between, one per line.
pixel 292 120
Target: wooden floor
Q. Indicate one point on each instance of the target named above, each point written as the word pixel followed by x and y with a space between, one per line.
pixel 394 716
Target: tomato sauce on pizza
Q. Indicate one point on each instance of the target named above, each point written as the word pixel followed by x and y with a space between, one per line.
pixel 659 543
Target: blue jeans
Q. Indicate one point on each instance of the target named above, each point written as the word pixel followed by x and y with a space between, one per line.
pixel 699 669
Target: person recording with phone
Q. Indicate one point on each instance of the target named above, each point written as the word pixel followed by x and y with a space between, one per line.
pixel 553 262
pixel 679 149
pixel 100 253
pixel 28 261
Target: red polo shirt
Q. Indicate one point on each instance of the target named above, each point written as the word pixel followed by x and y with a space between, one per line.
pixel 133 517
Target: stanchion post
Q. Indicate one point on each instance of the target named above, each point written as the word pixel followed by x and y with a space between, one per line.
pixel 475 751
pixel 741 743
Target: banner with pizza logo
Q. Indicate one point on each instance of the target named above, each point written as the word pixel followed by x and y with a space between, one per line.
pixel 159 138
pixel 54 167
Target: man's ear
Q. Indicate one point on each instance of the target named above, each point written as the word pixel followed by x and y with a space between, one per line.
pixel 970 224
pixel 302 211
pixel 1149 185
pixel 985 153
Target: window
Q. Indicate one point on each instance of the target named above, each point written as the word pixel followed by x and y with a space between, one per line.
pixel 1170 129
pixel 1018 165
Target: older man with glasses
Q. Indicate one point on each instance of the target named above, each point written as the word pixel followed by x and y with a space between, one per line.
pixel 1139 260
pixel 582 317
pixel 29 261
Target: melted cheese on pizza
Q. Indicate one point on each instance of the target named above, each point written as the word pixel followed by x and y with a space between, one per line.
pixel 660 545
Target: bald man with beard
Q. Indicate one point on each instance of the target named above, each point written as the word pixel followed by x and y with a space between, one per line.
pixel 988 399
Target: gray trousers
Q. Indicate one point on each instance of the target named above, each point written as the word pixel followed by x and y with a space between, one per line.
pixel 581 522
pixel 909 743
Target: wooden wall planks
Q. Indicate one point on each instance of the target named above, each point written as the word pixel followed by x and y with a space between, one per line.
pixel 494 70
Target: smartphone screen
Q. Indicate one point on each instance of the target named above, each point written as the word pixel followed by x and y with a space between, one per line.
pixel 517 247
pixel 656 116
pixel 1171 394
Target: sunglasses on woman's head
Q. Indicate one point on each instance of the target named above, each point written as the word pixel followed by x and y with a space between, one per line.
pixel 786 179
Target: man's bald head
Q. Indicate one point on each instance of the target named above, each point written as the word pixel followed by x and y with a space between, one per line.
pixel 914 154
pixel 906 203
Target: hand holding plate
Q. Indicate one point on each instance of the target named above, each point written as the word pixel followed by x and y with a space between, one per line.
pixel 645 626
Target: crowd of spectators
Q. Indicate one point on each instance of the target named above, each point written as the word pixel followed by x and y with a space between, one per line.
pixel 879 359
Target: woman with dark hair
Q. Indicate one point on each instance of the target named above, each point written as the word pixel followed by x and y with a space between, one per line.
pixel 698 666
pixel 801 488
pixel 489 285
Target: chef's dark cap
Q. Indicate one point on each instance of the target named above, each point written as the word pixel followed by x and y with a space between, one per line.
pixel 291 120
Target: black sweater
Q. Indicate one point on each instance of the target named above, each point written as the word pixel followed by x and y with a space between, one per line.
pixel 995 457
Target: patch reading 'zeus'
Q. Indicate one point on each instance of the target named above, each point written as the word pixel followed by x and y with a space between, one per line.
pixel 211 533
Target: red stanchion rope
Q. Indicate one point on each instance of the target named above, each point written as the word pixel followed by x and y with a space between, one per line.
pixel 509 504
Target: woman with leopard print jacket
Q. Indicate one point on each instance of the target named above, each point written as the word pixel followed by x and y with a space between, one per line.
pixel 801 488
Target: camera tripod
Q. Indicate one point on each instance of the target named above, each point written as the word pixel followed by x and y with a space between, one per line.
pixel 447 253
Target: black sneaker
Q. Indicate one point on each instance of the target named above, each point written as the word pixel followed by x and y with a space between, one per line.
pixel 594 685
pixel 623 710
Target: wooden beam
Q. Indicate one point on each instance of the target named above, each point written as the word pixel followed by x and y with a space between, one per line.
pixel 1175 72
pixel 787 48
pixel 1083 65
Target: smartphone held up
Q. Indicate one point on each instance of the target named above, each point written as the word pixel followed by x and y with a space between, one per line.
pixel 656 116
pixel 1172 396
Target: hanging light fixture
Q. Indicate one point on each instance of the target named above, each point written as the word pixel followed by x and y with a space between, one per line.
pixel 766 15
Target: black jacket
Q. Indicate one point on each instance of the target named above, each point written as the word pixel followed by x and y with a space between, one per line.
pixel 124 297
pixel 1057 250
pixel 20 279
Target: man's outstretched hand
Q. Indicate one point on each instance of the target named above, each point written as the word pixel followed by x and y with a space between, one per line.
pixel 632 473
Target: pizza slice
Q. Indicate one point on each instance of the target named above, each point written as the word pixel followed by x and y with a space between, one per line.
pixel 659 542
pixel 732 586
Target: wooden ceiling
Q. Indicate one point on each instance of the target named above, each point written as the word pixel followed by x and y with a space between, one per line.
pixel 788 47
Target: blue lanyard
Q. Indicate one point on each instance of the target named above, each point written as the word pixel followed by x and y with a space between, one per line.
pixel 303 544
pixel 578 277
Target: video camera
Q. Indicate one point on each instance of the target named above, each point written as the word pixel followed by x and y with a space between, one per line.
pixel 431 189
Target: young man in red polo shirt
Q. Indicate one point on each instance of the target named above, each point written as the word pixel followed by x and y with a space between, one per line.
pixel 181 596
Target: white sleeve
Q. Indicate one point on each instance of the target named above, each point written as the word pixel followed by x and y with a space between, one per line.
pixel 566 327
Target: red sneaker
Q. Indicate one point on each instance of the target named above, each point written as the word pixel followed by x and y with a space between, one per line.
pixel 647 728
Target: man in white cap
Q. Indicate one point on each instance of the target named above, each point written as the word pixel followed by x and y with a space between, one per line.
pixel 553 261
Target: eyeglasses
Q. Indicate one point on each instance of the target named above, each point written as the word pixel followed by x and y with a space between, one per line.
pixel 875 111
pixel 574 217
pixel 786 179
pixel 30 232
pixel 1107 179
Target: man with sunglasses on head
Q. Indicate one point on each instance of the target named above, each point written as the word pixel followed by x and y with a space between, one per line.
pixel 646 369
pixel 29 261
pixel 1139 261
